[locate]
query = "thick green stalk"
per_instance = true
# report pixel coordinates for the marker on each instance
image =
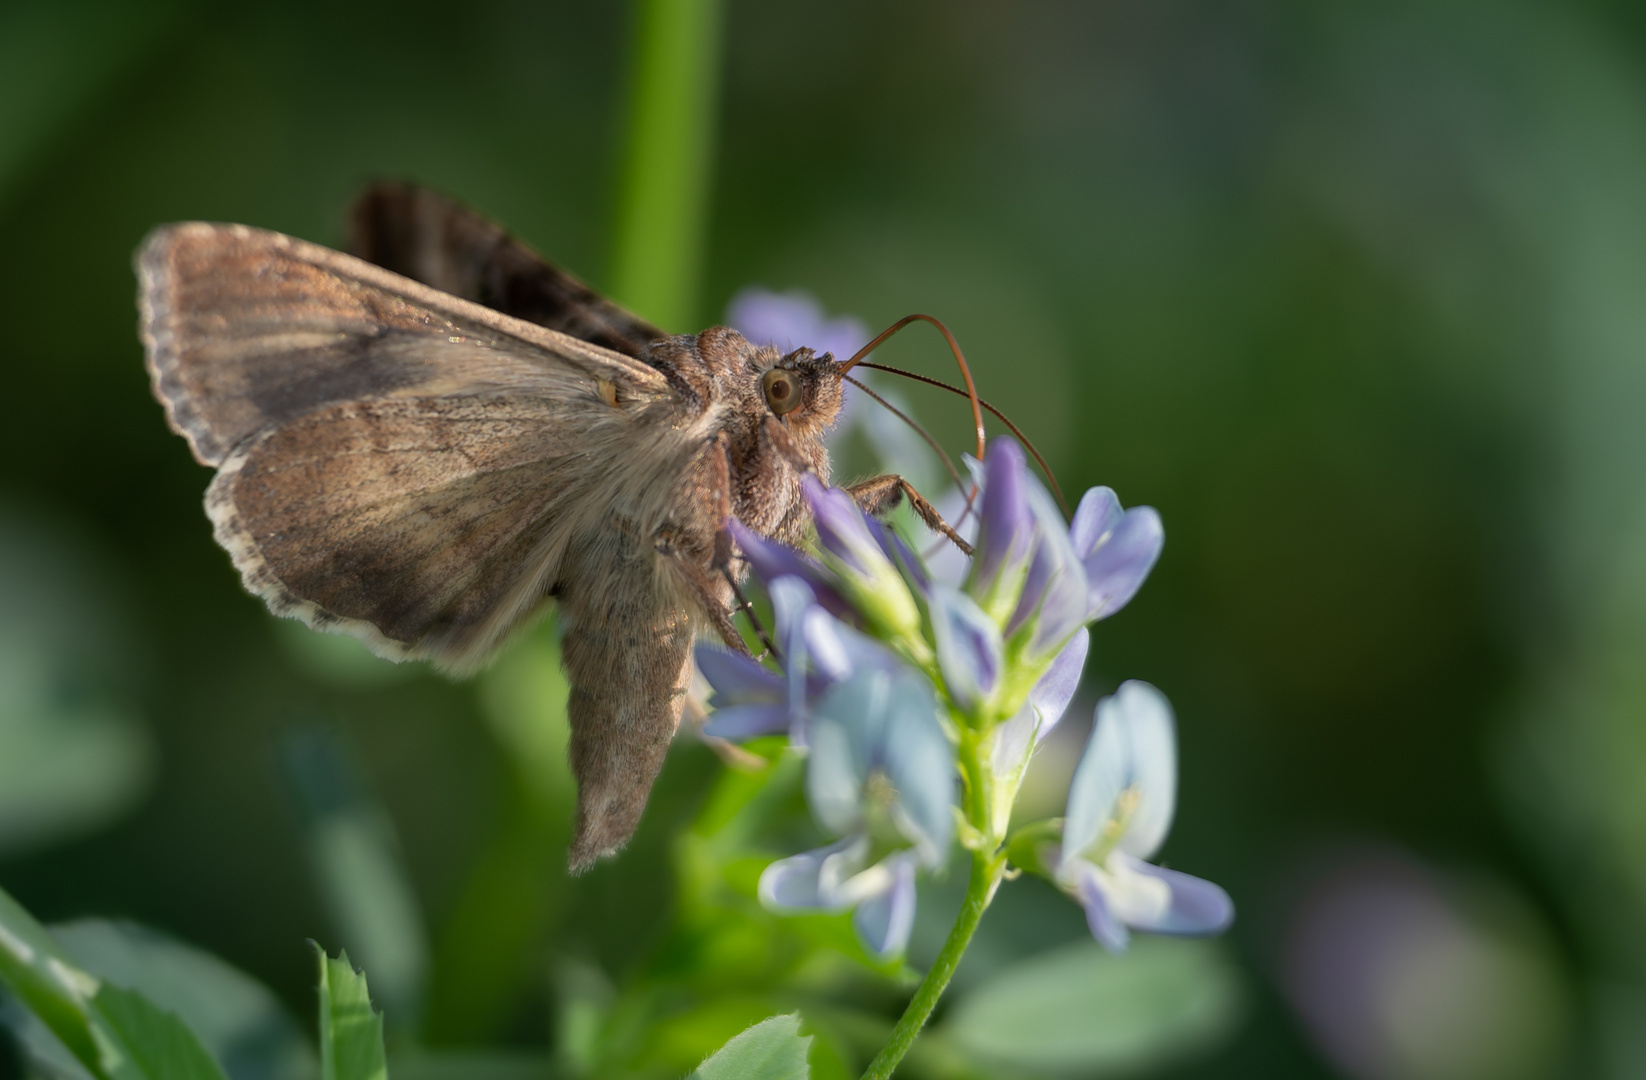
(664, 188)
(988, 865)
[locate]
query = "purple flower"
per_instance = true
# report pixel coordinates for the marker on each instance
(862, 558)
(818, 652)
(1055, 592)
(1005, 541)
(970, 653)
(748, 700)
(1117, 549)
(792, 319)
(881, 776)
(770, 560)
(1016, 738)
(1120, 808)
(838, 878)
(1055, 578)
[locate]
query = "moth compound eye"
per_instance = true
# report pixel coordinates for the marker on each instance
(782, 390)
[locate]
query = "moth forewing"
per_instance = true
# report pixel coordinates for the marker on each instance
(397, 464)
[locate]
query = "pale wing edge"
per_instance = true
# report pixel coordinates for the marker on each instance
(525, 600)
(161, 353)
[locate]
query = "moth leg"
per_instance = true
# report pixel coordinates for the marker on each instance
(714, 489)
(722, 560)
(708, 596)
(881, 494)
(724, 541)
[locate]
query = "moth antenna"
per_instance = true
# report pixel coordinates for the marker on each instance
(1022, 438)
(959, 358)
(948, 463)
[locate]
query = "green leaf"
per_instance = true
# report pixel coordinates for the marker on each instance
(35, 970)
(1081, 1009)
(117, 1034)
(773, 1049)
(238, 1020)
(351, 1032)
(148, 1043)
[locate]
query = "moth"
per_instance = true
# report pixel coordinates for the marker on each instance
(428, 442)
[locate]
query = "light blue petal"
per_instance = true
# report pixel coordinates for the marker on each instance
(1098, 778)
(883, 922)
(792, 884)
(968, 647)
(793, 601)
(866, 716)
(883, 719)
(845, 876)
(738, 680)
(1095, 517)
(820, 636)
(1100, 919)
(1045, 707)
(1056, 688)
(747, 721)
(834, 775)
(792, 597)
(1151, 736)
(838, 650)
(1198, 907)
(1132, 746)
(1115, 570)
(919, 761)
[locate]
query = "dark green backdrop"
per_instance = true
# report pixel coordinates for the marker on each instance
(1354, 294)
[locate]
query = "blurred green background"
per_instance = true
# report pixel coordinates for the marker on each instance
(1355, 294)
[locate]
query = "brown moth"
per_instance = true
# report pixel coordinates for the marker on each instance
(426, 445)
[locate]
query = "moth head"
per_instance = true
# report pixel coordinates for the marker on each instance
(800, 388)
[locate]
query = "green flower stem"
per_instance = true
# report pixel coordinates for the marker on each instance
(986, 871)
(988, 866)
(664, 187)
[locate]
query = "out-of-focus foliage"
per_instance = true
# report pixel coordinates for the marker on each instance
(235, 1018)
(1078, 1009)
(1351, 293)
(114, 1032)
(74, 755)
(771, 1049)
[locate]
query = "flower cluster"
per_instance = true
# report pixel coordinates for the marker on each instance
(921, 701)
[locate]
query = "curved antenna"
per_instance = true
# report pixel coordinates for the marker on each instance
(959, 358)
(1022, 438)
(948, 462)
